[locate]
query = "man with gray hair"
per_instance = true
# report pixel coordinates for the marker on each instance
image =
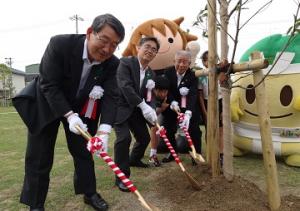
(76, 87)
(182, 97)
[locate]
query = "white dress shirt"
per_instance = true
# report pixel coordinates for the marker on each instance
(87, 66)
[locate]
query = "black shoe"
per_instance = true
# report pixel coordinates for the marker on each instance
(122, 187)
(168, 159)
(37, 209)
(138, 164)
(96, 201)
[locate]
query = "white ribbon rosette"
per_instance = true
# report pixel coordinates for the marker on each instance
(183, 92)
(90, 108)
(150, 85)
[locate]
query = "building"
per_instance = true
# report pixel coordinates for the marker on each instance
(18, 82)
(32, 71)
(20, 78)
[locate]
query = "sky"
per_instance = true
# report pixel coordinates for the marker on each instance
(27, 26)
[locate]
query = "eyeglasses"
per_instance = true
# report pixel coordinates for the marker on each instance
(150, 48)
(105, 41)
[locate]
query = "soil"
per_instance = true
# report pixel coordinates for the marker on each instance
(171, 190)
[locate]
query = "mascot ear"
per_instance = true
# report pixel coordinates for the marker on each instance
(127, 52)
(130, 50)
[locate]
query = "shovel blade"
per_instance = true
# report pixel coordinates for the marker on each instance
(192, 181)
(145, 204)
(197, 157)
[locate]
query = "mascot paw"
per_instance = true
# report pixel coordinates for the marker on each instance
(236, 112)
(238, 152)
(293, 160)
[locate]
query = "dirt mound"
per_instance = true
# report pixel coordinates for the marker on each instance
(172, 191)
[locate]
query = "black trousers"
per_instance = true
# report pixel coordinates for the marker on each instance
(136, 124)
(196, 134)
(39, 161)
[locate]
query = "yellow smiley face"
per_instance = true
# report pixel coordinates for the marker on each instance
(283, 95)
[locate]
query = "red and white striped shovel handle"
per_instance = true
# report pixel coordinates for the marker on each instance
(188, 137)
(184, 129)
(109, 161)
(162, 133)
(115, 169)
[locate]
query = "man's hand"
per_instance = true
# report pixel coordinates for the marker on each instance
(186, 119)
(174, 106)
(73, 121)
(148, 112)
(223, 67)
(103, 132)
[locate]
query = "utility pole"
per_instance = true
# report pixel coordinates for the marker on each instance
(9, 82)
(8, 61)
(76, 18)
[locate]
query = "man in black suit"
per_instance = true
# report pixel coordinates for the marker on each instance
(182, 97)
(77, 85)
(133, 112)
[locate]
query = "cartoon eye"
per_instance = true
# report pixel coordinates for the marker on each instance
(250, 94)
(286, 95)
(170, 40)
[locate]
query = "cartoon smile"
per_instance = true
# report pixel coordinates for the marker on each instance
(272, 117)
(162, 52)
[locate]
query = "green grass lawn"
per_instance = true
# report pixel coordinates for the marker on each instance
(61, 194)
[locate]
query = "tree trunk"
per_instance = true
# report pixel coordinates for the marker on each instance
(212, 108)
(226, 91)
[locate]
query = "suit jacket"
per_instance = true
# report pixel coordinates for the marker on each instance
(190, 81)
(54, 92)
(128, 79)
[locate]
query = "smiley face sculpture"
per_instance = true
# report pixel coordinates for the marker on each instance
(171, 37)
(283, 91)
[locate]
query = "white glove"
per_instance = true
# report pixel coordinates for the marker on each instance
(104, 138)
(150, 84)
(74, 120)
(148, 112)
(103, 133)
(174, 106)
(186, 119)
(184, 91)
(96, 93)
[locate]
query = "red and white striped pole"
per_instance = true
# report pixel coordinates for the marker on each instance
(188, 137)
(95, 146)
(184, 129)
(162, 133)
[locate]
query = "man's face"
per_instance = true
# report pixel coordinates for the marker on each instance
(147, 51)
(205, 62)
(182, 63)
(102, 45)
(161, 94)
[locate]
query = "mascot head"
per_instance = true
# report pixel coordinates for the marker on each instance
(282, 84)
(171, 37)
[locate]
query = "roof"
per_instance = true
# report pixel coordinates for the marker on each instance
(18, 72)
